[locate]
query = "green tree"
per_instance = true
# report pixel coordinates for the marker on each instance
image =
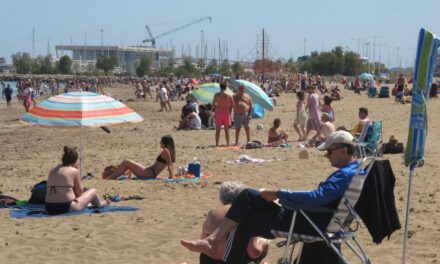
(22, 62)
(65, 65)
(225, 68)
(144, 66)
(290, 66)
(107, 63)
(46, 64)
(211, 67)
(237, 68)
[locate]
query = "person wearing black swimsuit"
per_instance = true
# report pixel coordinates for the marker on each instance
(64, 188)
(165, 160)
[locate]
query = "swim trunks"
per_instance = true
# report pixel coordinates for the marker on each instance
(222, 117)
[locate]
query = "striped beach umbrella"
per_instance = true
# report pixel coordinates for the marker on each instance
(205, 93)
(78, 110)
(425, 64)
(255, 92)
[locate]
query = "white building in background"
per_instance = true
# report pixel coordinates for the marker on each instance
(128, 57)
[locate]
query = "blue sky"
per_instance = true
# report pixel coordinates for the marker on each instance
(323, 23)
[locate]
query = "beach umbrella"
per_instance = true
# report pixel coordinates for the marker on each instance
(78, 110)
(205, 93)
(366, 76)
(425, 65)
(255, 92)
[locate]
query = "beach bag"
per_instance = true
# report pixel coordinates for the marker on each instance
(38, 193)
(253, 144)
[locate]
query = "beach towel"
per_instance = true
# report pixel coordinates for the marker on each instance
(247, 159)
(228, 147)
(37, 211)
(204, 175)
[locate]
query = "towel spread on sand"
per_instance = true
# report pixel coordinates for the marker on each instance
(37, 211)
(247, 159)
(205, 175)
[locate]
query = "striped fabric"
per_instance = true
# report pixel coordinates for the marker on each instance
(80, 109)
(426, 60)
(205, 93)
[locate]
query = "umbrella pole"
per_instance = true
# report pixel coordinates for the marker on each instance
(405, 233)
(80, 152)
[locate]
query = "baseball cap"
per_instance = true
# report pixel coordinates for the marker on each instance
(337, 137)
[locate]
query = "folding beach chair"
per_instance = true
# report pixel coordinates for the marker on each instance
(370, 139)
(339, 228)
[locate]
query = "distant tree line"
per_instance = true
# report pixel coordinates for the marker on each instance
(336, 61)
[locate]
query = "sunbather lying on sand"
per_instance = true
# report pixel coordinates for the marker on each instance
(256, 248)
(165, 160)
(64, 188)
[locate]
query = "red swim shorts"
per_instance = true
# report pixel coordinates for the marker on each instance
(222, 117)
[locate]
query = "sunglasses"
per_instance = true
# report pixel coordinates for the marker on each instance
(330, 150)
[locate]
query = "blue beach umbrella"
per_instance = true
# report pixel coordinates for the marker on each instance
(366, 76)
(425, 65)
(255, 92)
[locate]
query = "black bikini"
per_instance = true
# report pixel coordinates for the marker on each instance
(57, 208)
(160, 159)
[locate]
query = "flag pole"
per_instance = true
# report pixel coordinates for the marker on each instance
(408, 201)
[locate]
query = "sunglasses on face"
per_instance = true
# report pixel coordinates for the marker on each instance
(330, 150)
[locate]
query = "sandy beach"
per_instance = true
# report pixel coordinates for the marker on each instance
(172, 211)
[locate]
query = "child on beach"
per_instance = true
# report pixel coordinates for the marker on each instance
(327, 108)
(301, 116)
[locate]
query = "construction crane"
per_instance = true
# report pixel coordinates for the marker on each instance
(152, 39)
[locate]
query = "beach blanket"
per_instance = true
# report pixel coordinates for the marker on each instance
(229, 147)
(205, 175)
(247, 159)
(37, 211)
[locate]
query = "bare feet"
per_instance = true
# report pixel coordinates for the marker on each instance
(201, 245)
(105, 203)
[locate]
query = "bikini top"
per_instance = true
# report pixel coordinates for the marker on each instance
(160, 159)
(54, 190)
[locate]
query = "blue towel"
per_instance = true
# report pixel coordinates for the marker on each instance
(37, 211)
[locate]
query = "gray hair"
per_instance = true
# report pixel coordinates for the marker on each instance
(228, 191)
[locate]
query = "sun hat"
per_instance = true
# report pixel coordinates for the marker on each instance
(337, 137)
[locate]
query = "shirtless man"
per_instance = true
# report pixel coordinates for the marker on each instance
(222, 106)
(242, 113)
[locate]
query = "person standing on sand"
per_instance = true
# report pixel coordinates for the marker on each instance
(7, 92)
(242, 113)
(314, 122)
(222, 106)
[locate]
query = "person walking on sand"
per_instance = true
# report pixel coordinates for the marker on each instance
(242, 113)
(222, 106)
(7, 92)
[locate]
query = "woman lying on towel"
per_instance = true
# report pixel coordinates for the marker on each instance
(165, 160)
(276, 136)
(64, 188)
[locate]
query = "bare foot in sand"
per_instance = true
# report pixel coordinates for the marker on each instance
(201, 245)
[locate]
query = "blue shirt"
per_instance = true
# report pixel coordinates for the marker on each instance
(331, 189)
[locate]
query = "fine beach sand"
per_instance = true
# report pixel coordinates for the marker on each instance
(172, 211)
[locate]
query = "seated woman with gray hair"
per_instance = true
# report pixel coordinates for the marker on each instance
(257, 247)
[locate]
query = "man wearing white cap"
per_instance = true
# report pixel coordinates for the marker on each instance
(253, 213)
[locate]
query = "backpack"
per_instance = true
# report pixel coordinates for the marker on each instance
(253, 144)
(38, 193)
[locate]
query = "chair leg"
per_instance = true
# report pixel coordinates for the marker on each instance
(364, 253)
(289, 238)
(298, 259)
